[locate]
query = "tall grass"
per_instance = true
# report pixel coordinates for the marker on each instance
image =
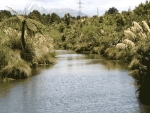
(15, 62)
(16, 69)
(3, 57)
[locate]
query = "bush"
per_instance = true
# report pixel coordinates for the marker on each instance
(112, 10)
(45, 59)
(135, 73)
(120, 55)
(110, 53)
(134, 64)
(3, 57)
(28, 54)
(96, 50)
(16, 69)
(15, 43)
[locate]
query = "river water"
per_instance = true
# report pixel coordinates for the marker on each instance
(77, 83)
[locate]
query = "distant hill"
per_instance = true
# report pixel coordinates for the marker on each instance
(61, 12)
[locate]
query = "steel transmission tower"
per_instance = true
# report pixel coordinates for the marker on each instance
(80, 7)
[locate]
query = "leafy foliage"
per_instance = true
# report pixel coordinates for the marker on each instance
(16, 62)
(55, 18)
(142, 9)
(4, 14)
(112, 10)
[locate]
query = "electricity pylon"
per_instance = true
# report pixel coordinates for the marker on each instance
(80, 7)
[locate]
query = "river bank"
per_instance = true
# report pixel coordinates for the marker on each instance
(17, 63)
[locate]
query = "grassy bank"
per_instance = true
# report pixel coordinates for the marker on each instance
(17, 63)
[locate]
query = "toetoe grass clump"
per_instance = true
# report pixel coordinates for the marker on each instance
(16, 69)
(45, 59)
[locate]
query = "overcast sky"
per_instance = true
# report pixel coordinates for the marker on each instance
(89, 6)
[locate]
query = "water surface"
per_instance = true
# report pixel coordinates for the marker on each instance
(77, 83)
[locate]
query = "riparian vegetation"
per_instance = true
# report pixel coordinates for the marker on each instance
(27, 40)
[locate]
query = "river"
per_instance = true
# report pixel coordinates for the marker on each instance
(77, 83)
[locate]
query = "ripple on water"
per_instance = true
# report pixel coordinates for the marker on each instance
(76, 84)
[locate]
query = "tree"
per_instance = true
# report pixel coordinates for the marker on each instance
(143, 10)
(112, 10)
(48, 19)
(55, 18)
(43, 19)
(120, 20)
(36, 15)
(78, 17)
(28, 24)
(67, 18)
(4, 14)
(101, 19)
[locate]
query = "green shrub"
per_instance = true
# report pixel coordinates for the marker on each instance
(110, 53)
(134, 64)
(61, 28)
(3, 57)
(45, 59)
(134, 73)
(16, 69)
(28, 54)
(96, 50)
(120, 55)
(102, 49)
(15, 43)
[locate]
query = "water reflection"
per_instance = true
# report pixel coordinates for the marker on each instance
(75, 84)
(144, 92)
(109, 64)
(81, 60)
(4, 89)
(147, 108)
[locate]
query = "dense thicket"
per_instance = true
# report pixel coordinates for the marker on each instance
(24, 43)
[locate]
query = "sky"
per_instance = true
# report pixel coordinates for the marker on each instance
(90, 7)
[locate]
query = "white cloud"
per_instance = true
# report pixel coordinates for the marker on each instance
(90, 7)
(15, 4)
(124, 4)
